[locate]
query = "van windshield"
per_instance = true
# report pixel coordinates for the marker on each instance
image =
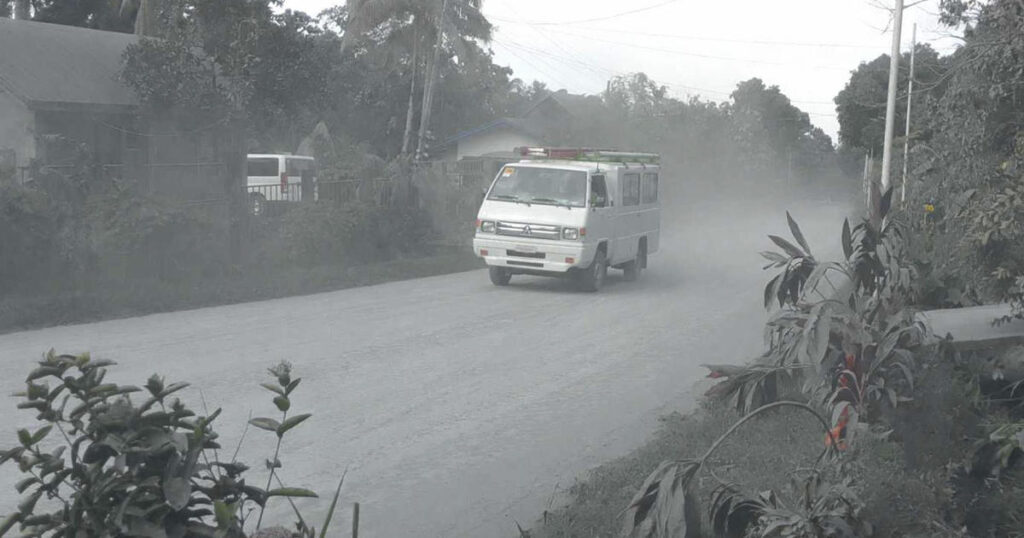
(549, 186)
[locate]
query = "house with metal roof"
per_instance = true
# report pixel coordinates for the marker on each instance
(59, 86)
(547, 120)
(61, 93)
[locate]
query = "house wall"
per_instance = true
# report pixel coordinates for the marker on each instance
(504, 140)
(17, 129)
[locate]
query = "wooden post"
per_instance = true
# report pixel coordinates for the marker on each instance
(307, 186)
(355, 520)
(132, 171)
(234, 182)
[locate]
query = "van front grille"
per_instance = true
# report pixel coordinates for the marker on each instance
(517, 254)
(520, 229)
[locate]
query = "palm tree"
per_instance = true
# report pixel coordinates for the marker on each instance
(147, 15)
(457, 22)
(414, 26)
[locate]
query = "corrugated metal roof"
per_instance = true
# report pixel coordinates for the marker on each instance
(517, 124)
(50, 64)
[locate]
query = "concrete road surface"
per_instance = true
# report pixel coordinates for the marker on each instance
(457, 407)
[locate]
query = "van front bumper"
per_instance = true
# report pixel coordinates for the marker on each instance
(532, 256)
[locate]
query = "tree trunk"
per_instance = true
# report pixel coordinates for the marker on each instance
(428, 90)
(407, 136)
(22, 9)
(147, 19)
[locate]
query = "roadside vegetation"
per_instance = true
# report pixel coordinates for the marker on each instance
(123, 460)
(855, 422)
(852, 423)
(355, 87)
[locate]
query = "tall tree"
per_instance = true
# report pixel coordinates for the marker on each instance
(861, 103)
(410, 112)
(98, 14)
(457, 24)
(431, 80)
(22, 9)
(636, 95)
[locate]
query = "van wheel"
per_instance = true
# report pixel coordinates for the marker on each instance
(257, 204)
(631, 271)
(592, 278)
(499, 276)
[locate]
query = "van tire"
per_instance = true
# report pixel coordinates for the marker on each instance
(499, 276)
(592, 278)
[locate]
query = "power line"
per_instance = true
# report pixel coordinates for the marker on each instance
(528, 62)
(584, 21)
(574, 57)
(611, 72)
(713, 39)
(830, 103)
(704, 56)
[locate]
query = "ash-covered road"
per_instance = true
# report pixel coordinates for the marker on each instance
(458, 408)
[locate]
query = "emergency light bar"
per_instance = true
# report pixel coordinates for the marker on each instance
(592, 155)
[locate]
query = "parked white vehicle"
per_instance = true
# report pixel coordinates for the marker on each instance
(277, 178)
(568, 212)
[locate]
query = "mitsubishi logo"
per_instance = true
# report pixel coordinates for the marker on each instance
(527, 230)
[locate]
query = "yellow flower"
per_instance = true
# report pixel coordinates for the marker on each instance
(929, 208)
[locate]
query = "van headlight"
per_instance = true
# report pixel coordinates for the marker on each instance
(570, 233)
(487, 226)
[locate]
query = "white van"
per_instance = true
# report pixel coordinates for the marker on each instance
(277, 178)
(568, 212)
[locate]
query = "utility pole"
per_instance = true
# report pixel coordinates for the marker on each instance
(890, 107)
(431, 83)
(910, 98)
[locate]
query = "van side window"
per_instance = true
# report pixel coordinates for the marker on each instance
(262, 167)
(650, 188)
(630, 189)
(598, 191)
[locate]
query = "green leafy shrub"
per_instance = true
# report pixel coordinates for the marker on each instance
(840, 331)
(821, 509)
(132, 236)
(969, 158)
(321, 234)
(79, 229)
(30, 225)
(124, 466)
(666, 505)
(318, 234)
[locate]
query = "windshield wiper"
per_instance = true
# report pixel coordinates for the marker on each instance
(551, 201)
(510, 198)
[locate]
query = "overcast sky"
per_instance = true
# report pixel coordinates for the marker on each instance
(806, 47)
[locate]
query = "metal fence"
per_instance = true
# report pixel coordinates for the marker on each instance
(273, 199)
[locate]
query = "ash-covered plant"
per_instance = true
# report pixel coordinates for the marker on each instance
(282, 388)
(666, 506)
(840, 331)
(118, 460)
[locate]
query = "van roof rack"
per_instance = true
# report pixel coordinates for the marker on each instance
(588, 154)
